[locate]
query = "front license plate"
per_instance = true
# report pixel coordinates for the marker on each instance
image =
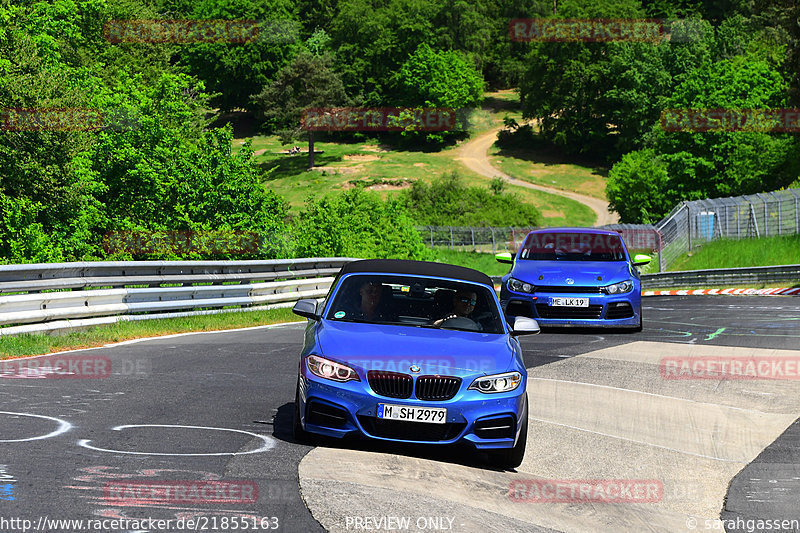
(431, 415)
(569, 302)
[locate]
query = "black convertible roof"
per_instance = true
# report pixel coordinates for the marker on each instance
(418, 268)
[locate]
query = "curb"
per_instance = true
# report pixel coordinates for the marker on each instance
(729, 292)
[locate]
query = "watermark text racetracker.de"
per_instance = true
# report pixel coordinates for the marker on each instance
(589, 30)
(384, 119)
(200, 31)
(182, 242)
(730, 368)
(586, 491)
(112, 525)
(72, 367)
(783, 120)
(64, 119)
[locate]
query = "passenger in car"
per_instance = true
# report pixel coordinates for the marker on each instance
(463, 305)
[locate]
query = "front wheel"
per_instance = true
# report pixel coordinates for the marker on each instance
(638, 328)
(511, 458)
(300, 435)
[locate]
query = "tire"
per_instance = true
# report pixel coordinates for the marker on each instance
(511, 458)
(300, 435)
(638, 328)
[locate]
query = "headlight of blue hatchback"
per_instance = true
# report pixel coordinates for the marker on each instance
(619, 288)
(327, 369)
(520, 286)
(497, 383)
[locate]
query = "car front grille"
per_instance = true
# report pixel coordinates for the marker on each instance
(411, 431)
(437, 388)
(569, 288)
(577, 313)
(390, 384)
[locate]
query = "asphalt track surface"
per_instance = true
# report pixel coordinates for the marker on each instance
(201, 407)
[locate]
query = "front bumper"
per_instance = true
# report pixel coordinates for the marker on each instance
(343, 409)
(604, 311)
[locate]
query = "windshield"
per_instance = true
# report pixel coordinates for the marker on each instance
(572, 246)
(416, 301)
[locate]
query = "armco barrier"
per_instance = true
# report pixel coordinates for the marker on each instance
(87, 294)
(90, 293)
(723, 277)
(727, 277)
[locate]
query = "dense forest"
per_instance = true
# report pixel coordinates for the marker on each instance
(168, 165)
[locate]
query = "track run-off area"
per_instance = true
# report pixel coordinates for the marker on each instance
(615, 443)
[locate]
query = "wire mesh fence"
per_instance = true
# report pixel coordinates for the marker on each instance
(479, 239)
(689, 225)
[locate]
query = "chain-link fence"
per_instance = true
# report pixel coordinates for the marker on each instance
(693, 223)
(687, 226)
(478, 239)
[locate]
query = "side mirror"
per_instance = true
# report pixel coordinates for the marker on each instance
(641, 260)
(505, 257)
(306, 308)
(525, 326)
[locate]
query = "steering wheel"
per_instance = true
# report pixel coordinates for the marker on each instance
(460, 322)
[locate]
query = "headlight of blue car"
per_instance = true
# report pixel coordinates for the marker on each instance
(619, 288)
(520, 286)
(497, 383)
(327, 369)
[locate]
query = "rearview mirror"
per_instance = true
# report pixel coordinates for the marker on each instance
(525, 326)
(306, 308)
(505, 257)
(641, 259)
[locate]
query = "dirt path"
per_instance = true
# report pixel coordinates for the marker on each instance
(473, 155)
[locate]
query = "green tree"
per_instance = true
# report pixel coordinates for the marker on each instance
(638, 188)
(357, 223)
(309, 81)
(235, 71)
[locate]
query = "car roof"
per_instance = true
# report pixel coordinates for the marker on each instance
(417, 268)
(576, 230)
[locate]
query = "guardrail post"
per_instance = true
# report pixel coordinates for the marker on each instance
(451, 237)
(796, 212)
(494, 245)
(689, 225)
(779, 211)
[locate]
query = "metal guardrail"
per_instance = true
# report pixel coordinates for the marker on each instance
(728, 277)
(66, 296)
(722, 277)
(62, 296)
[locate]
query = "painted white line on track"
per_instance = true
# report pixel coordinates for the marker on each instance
(63, 427)
(267, 442)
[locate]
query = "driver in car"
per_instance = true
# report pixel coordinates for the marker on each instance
(463, 306)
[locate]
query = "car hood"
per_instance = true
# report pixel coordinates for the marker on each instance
(397, 348)
(584, 273)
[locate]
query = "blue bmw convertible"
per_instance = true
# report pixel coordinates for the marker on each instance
(414, 352)
(574, 277)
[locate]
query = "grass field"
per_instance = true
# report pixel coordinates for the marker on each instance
(484, 262)
(544, 167)
(386, 170)
(742, 253)
(40, 343)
